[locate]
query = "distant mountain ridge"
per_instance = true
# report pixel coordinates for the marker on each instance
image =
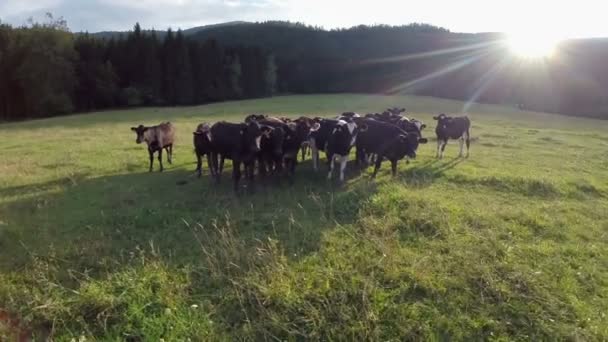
(161, 33)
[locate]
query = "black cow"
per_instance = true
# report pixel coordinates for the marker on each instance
(452, 128)
(386, 141)
(339, 143)
(240, 143)
(270, 157)
(298, 132)
(203, 147)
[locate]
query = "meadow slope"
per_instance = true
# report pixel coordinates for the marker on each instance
(509, 244)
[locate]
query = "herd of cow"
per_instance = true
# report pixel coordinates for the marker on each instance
(275, 142)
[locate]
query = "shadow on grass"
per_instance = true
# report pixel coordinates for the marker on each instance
(427, 173)
(95, 222)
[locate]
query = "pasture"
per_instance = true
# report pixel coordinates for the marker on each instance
(509, 244)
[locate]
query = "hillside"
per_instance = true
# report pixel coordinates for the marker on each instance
(508, 244)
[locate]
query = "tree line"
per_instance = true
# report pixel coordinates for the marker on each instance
(45, 70)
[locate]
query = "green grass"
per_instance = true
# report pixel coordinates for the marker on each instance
(510, 244)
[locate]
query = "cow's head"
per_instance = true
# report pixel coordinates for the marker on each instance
(441, 117)
(251, 135)
(139, 130)
(203, 129)
(410, 142)
(255, 117)
(303, 126)
(395, 110)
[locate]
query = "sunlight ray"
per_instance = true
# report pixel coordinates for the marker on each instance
(464, 61)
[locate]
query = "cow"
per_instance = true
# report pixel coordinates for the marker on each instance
(318, 137)
(452, 128)
(239, 142)
(157, 138)
(270, 157)
(203, 147)
(298, 133)
(386, 141)
(339, 143)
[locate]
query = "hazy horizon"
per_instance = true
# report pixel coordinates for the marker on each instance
(558, 21)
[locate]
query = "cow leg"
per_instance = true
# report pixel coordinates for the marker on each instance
(262, 167)
(210, 165)
(443, 145)
(222, 159)
(236, 174)
(461, 147)
(468, 142)
(331, 166)
(151, 153)
(250, 168)
(378, 164)
(160, 159)
(170, 154)
(199, 165)
(292, 169)
(394, 167)
(315, 154)
(343, 162)
(439, 141)
(215, 173)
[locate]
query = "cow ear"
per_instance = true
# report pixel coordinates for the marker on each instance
(423, 126)
(423, 140)
(435, 118)
(315, 127)
(402, 110)
(134, 129)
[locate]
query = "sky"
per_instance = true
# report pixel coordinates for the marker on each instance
(559, 19)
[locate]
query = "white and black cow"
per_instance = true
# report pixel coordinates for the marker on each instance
(452, 128)
(386, 141)
(318, 137)
(339, 143)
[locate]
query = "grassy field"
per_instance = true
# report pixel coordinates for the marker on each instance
(510, 244)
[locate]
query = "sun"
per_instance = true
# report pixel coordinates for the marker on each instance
(531, 46)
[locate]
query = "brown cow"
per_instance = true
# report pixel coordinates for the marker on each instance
(157, 138)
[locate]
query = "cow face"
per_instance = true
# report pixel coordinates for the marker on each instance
(252, 135)
(396, 111)
(203, 130)
(441, 117)
(302, 128)
(139, 130)
(410, 143)
(255, 117)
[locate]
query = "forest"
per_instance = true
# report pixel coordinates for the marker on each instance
(47, 70)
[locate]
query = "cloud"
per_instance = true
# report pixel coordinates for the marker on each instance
(566, 18)
(102, 15)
